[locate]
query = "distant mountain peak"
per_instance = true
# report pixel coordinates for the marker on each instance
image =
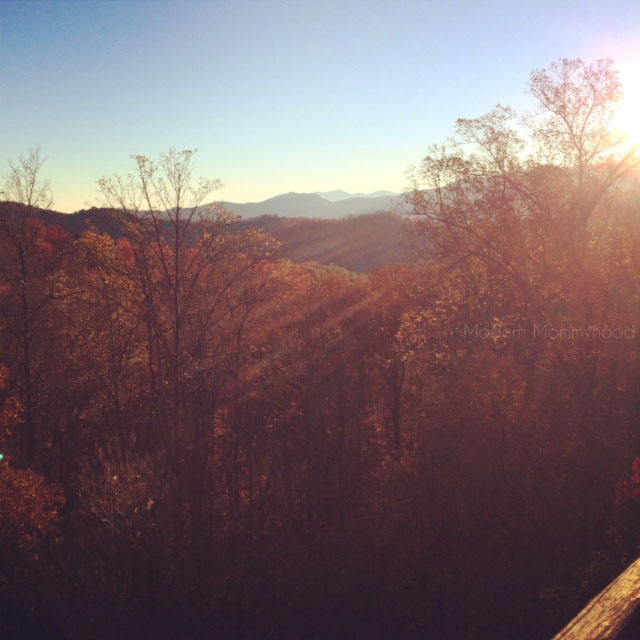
(339, 194)
(293, 195)
(317, 205)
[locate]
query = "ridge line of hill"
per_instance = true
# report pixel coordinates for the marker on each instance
(357, 243)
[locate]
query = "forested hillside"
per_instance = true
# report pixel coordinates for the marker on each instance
(202, 439)
(357, 243)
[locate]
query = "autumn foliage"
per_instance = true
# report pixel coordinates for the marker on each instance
(202, 439)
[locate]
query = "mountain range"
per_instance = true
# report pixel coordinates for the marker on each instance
(339, 194)
(326, 205)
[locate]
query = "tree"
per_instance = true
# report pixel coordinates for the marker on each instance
(24, 183)
(190, 279)
(29, 272)
(494, 204)
(523, 225)
(160, 204)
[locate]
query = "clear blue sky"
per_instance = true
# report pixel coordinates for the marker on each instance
(277, 96)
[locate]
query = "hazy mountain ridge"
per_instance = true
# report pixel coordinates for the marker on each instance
(339, 194)
(315, 205)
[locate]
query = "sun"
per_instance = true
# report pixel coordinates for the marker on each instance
(627, 119)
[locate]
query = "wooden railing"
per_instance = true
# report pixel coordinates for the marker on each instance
(614, 614)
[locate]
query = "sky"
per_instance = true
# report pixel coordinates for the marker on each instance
(277, 96)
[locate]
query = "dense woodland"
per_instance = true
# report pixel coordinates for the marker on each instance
(203, 439)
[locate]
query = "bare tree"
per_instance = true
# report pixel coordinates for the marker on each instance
(178, 241)
(27, 272)
(24, 183)
(496, 194)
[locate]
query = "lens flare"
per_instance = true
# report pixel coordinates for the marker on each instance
(627, 119)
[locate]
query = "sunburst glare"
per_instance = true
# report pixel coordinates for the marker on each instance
(626, 122)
